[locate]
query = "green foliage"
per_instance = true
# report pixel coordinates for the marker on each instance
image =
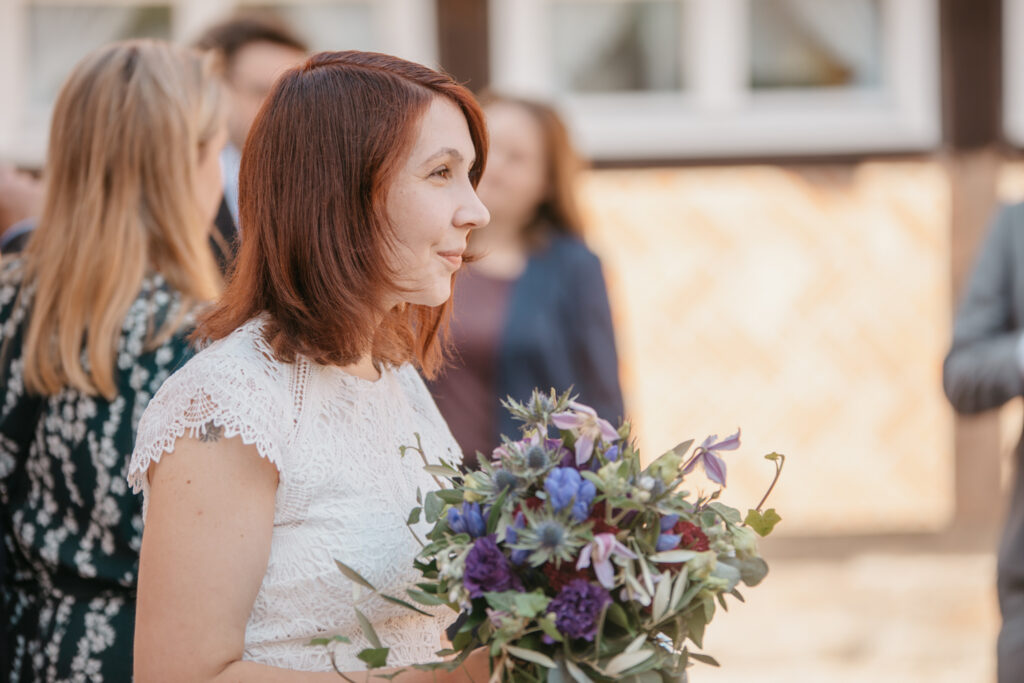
(762, 522)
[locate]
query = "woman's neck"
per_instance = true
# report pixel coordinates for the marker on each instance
(364, 368)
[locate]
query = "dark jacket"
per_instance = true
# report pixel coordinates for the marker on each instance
(983, 371)
(558, 332)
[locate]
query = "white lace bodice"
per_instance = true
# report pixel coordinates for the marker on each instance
(344, 491)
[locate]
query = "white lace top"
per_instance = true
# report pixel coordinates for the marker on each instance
(344, 491)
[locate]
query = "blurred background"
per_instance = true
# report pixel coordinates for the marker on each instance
(787, 196)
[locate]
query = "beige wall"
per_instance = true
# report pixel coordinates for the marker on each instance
(811, 307)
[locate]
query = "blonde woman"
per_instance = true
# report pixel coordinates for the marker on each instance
(92, 320)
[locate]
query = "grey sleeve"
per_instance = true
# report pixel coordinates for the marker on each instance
(981, 370)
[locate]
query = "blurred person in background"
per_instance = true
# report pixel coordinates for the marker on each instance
(533, 310)
(21, 195)
(252, 49)
(93, 318)
(983, 370)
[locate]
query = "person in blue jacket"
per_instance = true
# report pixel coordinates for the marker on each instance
(532, 309)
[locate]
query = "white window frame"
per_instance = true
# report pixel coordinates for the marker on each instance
(1013, 71)
(405, 27)
(719, 115)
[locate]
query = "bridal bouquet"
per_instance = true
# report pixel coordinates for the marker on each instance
(569, 559)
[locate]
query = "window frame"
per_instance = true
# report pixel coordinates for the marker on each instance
(721, 115)
(405, 27)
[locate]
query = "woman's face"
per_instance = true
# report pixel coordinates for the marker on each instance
(516, 180)
(432, 206)
(209, 181)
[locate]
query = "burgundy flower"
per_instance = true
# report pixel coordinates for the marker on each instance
(692, 537)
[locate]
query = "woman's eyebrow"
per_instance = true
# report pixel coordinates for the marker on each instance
(443, 152)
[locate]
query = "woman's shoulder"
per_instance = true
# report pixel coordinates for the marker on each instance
(11, 273)
(234, 385)
(569, 249)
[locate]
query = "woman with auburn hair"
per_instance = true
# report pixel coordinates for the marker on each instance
(532, 311)
(93, 318)
(276, 451)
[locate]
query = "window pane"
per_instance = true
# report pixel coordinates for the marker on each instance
(616, 46)
(814, 44)
(331, 26)
(60, 35)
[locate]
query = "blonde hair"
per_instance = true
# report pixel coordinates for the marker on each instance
(129, 128)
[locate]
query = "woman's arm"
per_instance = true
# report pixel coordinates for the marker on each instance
(204, 555)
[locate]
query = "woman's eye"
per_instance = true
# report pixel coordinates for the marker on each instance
(444, 173)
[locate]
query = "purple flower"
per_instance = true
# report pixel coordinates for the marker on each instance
(565, 488)
(488, 570)
(467, 521)
(588, 428)
(707, 455)
(578, 607)
(512, 537)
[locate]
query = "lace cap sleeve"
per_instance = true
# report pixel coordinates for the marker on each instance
(236, 390)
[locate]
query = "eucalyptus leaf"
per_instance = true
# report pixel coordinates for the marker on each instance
(425, 598)
(450, 496)
(637, 643)
(673, 556)
(729, 514)
(662, 598)
(678, 587)
(405, 604)
(495, 516)
(707, 659)
(531, 604)
(375, 657)
(695, 623)
(548, 626)
(576, 672)
(368, 632)
(432, 507)
(531, 656)
(414, 516)
(626, 661)
(617, 615)
(353, 575)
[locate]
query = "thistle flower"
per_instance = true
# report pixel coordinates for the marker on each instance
(547, 538)
(584, 422)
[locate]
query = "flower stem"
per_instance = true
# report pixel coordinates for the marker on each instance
(778, 472)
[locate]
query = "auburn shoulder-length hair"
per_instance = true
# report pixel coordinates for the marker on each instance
(559, 210)
(129, 128)
(316, 242)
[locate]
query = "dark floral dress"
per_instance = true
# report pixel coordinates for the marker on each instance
(72, 527)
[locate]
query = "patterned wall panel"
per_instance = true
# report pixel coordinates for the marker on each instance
(809, 306)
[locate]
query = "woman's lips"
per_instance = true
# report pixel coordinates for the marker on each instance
(452, 257)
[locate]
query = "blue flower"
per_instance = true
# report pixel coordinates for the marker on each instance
(469, 521)
(667, 541)
(578, 608)
(566, 488)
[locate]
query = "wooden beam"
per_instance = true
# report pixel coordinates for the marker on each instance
(971, 72)
(462, 27)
